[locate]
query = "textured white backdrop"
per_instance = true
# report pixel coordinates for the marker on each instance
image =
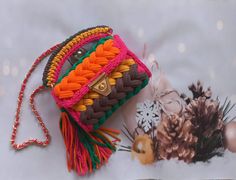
(191, 40)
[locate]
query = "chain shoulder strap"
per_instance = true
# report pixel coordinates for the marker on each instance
(19, 106)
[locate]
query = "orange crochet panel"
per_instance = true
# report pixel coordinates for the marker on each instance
(86, 70)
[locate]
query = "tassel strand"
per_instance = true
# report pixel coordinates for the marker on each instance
(86, 151)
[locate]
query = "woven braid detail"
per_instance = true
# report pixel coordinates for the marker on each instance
(80, 60)
(88, 99)
(57, 55)
(86, 70)
(124, 86)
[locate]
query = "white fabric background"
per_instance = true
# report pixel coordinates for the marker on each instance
(191, 40)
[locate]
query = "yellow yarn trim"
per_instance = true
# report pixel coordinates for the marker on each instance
(51, 74)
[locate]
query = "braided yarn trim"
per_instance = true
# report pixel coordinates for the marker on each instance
(107, 69)
(58, 57)
(86, 70)
(80, 60)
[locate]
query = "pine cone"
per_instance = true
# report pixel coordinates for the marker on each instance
(197, 91)
(175, 138)
(207, 118)
(205, 115)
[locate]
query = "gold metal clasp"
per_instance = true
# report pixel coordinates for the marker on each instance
(101, 85)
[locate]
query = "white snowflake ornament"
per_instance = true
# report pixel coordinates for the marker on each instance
(148, 114)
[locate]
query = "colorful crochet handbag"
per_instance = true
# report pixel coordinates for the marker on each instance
(103, 76)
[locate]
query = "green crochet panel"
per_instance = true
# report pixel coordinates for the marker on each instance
(101, 41)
